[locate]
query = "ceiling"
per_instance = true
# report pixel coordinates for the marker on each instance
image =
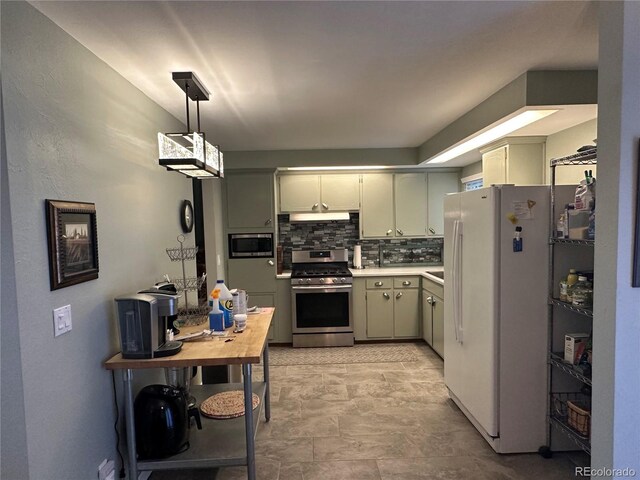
(314, 75)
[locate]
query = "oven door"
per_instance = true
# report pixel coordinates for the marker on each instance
(322, 309)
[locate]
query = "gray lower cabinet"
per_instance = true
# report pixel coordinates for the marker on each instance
(392, 307)
(433, 315)
(252, 274)
(282, 317)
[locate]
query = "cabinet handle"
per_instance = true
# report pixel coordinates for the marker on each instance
(406, 283)
(270, 262)
(432, 231)
(385, 295)
(315, 205)
(378, 284)
(399, 295)
(268, 222)
(389, 232)
(325, 206)
(430, 300)
(400, 232)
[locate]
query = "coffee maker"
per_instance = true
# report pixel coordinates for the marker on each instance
(142, 318)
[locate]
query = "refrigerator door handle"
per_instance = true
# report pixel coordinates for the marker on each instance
(457, 280)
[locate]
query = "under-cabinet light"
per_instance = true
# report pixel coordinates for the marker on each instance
(359, 167)
(496, 132)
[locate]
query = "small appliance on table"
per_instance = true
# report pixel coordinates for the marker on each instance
(322, 305)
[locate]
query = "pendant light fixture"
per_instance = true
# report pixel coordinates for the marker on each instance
(188, 152)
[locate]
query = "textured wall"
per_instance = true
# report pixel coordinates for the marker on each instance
(76, 130)
(344, 234)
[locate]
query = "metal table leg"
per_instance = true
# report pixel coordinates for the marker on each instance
(131, 428)
(248, 421)
(267, 391)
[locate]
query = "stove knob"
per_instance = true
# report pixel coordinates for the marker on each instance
(300, 281)
(343, 280)
(335, 280)
(322, 280)
(308, 281)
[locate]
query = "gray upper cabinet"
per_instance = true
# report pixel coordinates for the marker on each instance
(319, 193)
(517, 160)
(438, 185)
(249, 201)
(340, 192)
(410, 204)
(376, 213)
(299, 193)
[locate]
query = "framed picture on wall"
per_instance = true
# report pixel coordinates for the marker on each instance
(73, 242)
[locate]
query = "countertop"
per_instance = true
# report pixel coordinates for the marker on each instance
(246, 347)
(421, 270)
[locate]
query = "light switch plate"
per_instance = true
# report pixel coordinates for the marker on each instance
(61, 320)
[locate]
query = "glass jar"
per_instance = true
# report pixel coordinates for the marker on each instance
(582, 293)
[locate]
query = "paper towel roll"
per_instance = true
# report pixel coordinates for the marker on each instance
(357, 256)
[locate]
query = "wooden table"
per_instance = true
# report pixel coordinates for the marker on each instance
(220, 442)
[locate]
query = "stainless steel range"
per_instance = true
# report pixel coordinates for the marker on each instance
(322, 306)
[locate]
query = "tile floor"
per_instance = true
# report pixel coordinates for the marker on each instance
(377, 421)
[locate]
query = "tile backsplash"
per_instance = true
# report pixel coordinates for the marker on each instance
(344, 234)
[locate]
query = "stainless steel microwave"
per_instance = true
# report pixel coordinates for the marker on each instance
(250, 245)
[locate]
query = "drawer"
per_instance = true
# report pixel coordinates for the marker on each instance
(379, 283)
(433, 287)
(406, 282)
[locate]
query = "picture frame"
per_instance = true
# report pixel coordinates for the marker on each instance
(72, 238)
(635, 281)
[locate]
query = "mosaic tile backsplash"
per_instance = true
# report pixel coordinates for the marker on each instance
(344, 234)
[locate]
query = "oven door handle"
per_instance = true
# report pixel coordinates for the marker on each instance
(322, 287)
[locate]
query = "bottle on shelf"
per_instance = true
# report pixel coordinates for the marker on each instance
(226, 302)
(563, 290)
(572, 279)
(582, 293)
(216, 317)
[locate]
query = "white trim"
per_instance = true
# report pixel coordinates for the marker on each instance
(471, 178)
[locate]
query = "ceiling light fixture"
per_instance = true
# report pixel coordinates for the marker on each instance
(500, 129)
(188, 152)
(338, 167)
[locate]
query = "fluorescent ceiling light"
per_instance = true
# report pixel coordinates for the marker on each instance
(493, 133)
(359, 167)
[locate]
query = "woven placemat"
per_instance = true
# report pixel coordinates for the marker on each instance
(225, 405)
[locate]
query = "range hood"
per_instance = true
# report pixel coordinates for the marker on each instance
(318, 217)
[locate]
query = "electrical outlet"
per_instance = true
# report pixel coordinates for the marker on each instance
(61, 320)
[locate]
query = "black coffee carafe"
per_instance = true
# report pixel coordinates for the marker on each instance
(162, 421)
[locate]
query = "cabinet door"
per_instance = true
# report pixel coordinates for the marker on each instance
(299, 193)
(438, 185)
(406, 313)
(282, 315)
(264, 300)
(249, 200)
(438, 325)
(427, 317)
(340, 192)
(411, 204)
(380, 314)
(494, 166)
(252, 274)
(376, 213)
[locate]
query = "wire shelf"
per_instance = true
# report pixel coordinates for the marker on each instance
(576, 371)
(190, 283)
(561, 414)
(588, 157)
(192, 316)
(182, 253)
(572, 241)
(587, 312)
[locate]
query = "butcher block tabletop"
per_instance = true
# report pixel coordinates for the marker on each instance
(245, 347)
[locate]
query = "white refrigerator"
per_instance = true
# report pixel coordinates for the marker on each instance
(495, 349)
